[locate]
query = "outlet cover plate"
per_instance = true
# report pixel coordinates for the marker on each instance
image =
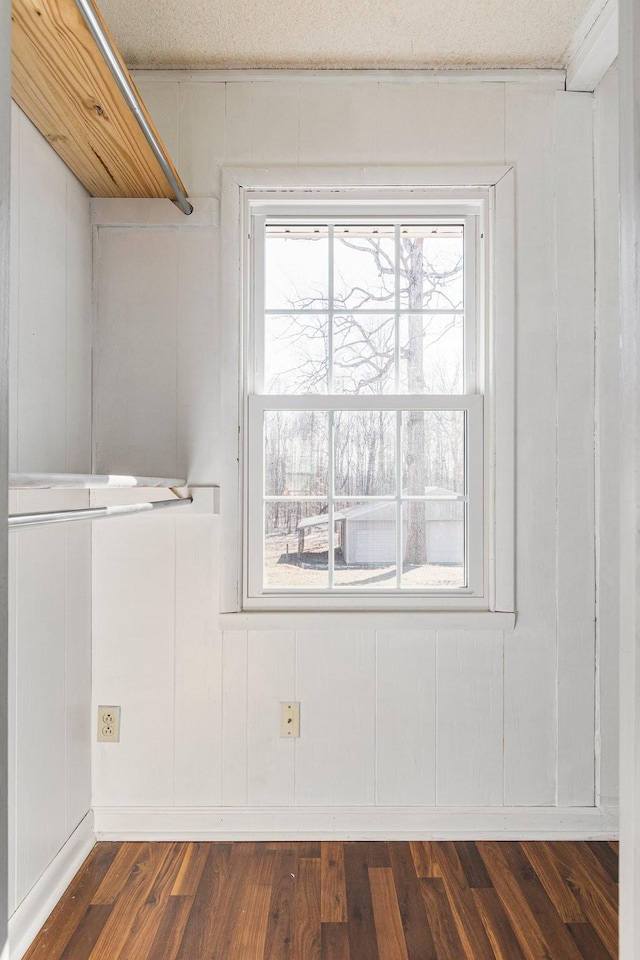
(108, 724)
(289, 719)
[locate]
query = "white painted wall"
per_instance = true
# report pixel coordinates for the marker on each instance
(50, 568)
(391, 720)
(5, 171)
(608, 406)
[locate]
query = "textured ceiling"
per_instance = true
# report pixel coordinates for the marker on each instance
(347, 34)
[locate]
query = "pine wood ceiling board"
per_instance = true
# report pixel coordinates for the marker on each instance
(63, 84)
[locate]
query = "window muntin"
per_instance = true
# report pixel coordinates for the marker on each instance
(365, 440)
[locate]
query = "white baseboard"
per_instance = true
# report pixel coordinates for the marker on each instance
(42, 898)
(354, 823)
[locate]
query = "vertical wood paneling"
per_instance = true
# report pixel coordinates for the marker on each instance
(198, 666)
(42, 279)
(530, 723)
(40, 714)
(161, 100)
(576, 427)
(470, 730)
(471, 122)
(12, 719)
(339, 123)
(79, 330)
(408, 122)
(201, 121)
(405, 717)
(78, 726)
(367, 735)
(237, 128)
(197, 379)
(234, 718)
(50, 428)
(270, 679)
(135, 399)
(607, 191)
(134, 631)
(335, 684)
(275, 122)
(14, 282)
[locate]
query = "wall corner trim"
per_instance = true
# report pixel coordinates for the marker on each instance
(42, 898)
(593, 49)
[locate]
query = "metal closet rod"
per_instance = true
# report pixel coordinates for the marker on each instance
(92, 21)
(91, 513)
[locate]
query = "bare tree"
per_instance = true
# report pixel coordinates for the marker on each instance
(364, 358)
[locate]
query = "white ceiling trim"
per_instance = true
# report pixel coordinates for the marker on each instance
(555, 78)
(590, 58)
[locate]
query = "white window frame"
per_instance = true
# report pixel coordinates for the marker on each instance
(250, 190)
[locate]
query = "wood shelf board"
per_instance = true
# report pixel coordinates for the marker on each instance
(63, 84)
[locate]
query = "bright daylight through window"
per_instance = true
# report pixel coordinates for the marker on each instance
(365, 454)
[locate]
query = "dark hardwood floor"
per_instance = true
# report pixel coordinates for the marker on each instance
(338, 901)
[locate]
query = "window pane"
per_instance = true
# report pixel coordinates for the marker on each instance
(363, 354)
(295, 544)
(366, 544)
(433, 459)
(432, 353)
(433, 543)
(364, 453)
(296, 453)
(296, 353)
(296, 267)
(431, 267)
(364, 268)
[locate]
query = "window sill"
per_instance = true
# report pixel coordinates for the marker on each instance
(367, 620)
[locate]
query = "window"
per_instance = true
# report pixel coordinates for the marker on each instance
(367, 481)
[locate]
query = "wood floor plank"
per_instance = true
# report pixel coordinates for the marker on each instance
(362, 930)
(193, 861)
(69, 912)
(335, 941)
(386, 914)
(554, 932)
(472, 864)
(206, 921)
(608, 859)
(306, 935)
(148, 863)
(252, 917)
(443, 926)
(593, 888)
(589, 943)
(424, 859)
(417, 934)
(147, 919)
(514, 902)
(496, 924)
(118, 874)
(169, 934)
(470, 927)
(279, 940)
(333, 900)
(423, 900)
(543, 863)
(86, 934)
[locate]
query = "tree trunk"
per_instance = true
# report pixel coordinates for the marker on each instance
(416, 543)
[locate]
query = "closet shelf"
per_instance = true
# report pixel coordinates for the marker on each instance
(72, 83)
(87, 481)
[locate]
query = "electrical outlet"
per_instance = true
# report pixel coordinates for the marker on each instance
(108, 724)
(289, 719)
